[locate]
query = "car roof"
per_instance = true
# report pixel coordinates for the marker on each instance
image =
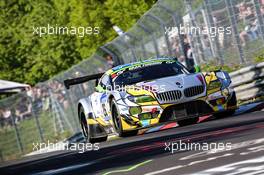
(135, 65)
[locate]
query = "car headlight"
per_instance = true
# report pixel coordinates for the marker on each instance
(135, 110)
(140, 99)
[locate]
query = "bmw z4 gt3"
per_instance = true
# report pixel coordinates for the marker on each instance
(145, 94)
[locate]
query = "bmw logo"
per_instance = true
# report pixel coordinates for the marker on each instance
(179, 85)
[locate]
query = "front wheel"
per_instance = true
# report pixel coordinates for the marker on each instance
(83, 122)
(86, 130)
(118, 123)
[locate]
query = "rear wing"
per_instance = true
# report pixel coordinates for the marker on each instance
(79, 80)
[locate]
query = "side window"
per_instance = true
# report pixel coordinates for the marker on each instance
(105, 81)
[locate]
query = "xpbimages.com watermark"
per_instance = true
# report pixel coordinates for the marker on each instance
(65, 30)
(50, 146)
(124, 88)
(212, 31)
(196, 146)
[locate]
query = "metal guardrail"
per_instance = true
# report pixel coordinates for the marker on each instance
(248, 82)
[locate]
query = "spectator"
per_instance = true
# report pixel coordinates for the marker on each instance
(188, 53)
(245, 12)
(46, 100)
(250, 22)
(29, 91)
(207, 46)
(250, 32)
(37, 100)
(181, 59)
(7, 117)
(110, 61)
(175, 47)
(23, 110)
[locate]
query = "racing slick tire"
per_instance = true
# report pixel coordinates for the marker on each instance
(116, 117)
(232, 102)
(86, 129)
(189, 121)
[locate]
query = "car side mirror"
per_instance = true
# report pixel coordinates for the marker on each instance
(99, 89)
(96, 89)
(197, 68)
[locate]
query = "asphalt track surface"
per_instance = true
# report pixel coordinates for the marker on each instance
(165, 152)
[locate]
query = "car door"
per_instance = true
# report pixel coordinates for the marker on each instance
(100, 99)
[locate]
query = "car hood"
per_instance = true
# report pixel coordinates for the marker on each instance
(171, 83)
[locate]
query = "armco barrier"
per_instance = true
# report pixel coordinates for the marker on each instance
(248, 82)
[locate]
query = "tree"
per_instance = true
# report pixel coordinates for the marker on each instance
(28, 58)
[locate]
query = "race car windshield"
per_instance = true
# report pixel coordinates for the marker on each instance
(149, 73)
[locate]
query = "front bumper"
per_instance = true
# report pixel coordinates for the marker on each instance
(176, 112)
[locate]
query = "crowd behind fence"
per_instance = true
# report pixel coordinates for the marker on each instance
(48, 111)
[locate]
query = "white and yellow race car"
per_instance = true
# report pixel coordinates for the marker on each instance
(148, 93)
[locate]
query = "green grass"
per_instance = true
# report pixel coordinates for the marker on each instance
(29, 134)
(211, 66)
